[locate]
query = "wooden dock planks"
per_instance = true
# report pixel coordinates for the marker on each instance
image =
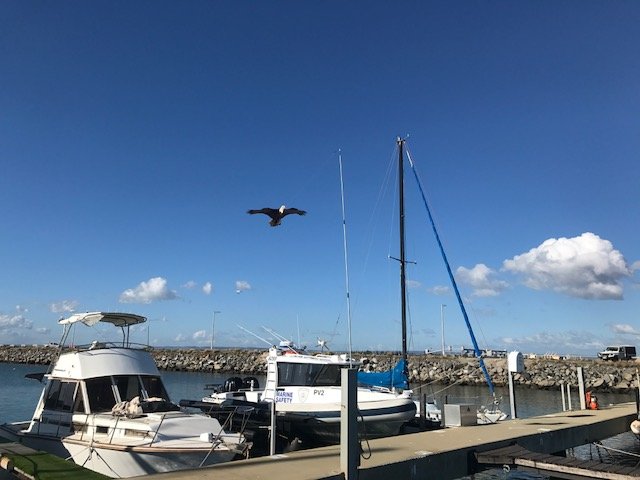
(559, 467)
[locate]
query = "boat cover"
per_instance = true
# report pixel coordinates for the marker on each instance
(394, 378)
(91, 318)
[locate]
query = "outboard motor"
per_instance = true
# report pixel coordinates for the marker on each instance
(232, 384)
(250, 383)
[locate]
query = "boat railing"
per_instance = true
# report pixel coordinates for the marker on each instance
(157, 430)
(86, 427)
(97, 345)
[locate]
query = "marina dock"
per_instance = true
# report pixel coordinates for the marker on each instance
(443, 454)
(19, 461)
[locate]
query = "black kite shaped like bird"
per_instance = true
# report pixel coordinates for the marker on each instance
(277, 214)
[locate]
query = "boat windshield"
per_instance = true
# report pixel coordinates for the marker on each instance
(308, 375)
(102, 394)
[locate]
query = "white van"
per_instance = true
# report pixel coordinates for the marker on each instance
(621, 352)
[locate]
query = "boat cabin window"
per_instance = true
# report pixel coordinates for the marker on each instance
(100, 394)
(308, 374)
(60, 396)
(129, 386)
(154, 387)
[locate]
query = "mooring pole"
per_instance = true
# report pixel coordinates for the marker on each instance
(349, 448)
(272, 429)
(515, 364)
(583, 400)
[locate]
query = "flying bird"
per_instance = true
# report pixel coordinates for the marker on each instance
(277, 214)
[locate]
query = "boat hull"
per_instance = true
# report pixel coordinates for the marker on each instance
(118, 461)
(319, 424)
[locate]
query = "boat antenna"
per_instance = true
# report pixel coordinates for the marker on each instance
(346, 261)
(275, 334)
(453, 280)
(257, 336)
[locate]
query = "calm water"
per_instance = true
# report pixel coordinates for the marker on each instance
(19, 395)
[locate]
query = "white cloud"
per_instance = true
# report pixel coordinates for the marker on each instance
(180, 338)
(624, 329)
(43, 330)
(584, 267)
(440, 290)
(558, 342)
(413, 284)
(146, 292)
(207, 288)
(200, 335)
(480, 278)
(242, 286)
(11, 322)
(65, 306)
(635, 266)
(190, 284)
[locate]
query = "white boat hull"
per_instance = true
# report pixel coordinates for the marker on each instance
(118, 461)
(133, 462)
(318, 424)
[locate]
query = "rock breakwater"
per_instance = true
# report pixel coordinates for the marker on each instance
(599, 376)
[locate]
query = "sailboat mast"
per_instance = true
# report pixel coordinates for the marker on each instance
(403, 293)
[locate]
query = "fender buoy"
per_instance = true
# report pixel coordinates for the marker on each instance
(635, 427)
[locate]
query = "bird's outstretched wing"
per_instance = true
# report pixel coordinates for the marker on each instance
(289, 211)
(266, 211)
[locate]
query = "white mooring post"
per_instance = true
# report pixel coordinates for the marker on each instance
(564, 400)
(515, 362)
(272, 428)
(581, 392)
(349, 449)
(569, 397)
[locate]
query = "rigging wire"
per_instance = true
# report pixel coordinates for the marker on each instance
(374, 216)
(453, 281)
(382, 193)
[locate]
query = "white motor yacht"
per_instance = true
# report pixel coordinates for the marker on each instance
(104, 406)
(306, 391)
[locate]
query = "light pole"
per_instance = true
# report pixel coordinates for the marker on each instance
(442, 305)
(213, 326)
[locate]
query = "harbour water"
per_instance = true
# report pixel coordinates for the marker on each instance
(19, 395)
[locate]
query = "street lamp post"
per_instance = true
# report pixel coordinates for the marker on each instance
(442, 305)
(213, 326)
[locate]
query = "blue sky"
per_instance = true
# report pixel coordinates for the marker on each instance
(135, 135)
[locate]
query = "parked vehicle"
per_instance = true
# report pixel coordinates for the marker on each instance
(618, 352)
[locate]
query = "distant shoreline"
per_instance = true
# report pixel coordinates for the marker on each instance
(540, 373)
